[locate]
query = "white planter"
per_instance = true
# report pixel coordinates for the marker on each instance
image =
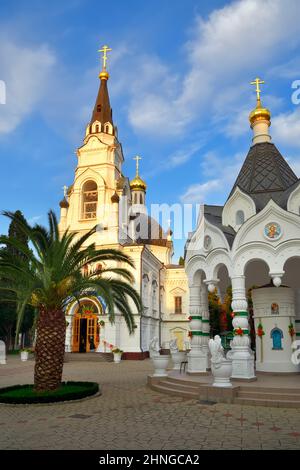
(222, 373)
(117, 357)
(24, 356)
(160, 365)
(177, 358)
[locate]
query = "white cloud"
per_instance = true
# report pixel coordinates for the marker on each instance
(25, 71)
(286, 128)
(225, 50)
(197, 193)
(214, 190)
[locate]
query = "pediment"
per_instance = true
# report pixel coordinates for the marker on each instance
(273, 225)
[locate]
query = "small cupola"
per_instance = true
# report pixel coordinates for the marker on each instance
(260, 117)
(138, 186)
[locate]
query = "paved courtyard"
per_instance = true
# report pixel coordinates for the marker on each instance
(130, 416)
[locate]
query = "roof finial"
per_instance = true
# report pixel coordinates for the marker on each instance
(104, 74)
(258, 82)
(137, 184)
(137, 159)
(260, 117)
(65, 188)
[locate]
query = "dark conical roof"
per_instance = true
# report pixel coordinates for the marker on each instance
(265, 175)
(102, 111)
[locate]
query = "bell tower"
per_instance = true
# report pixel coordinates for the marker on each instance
(93, 198)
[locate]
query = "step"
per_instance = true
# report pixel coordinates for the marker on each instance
(258, 389)
(88, 357)
(265, 402)
(182, 383)
(175, 386)
(269, 395)
(174, 392)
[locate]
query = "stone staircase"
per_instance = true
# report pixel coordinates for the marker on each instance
(174, 387)
(88, 357)
(239, 394)
(267, 396)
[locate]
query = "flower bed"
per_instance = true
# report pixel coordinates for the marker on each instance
(25, 394)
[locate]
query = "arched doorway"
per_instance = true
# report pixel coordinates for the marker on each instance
(86, 327)
(256, 275)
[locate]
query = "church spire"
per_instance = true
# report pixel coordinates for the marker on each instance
(102, 111)
(260, 117)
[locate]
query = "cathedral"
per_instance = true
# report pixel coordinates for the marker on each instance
(251, 243)
(102, 195)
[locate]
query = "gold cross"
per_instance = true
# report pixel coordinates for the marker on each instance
(65, 188)
(105, 50)
(258, 82)
(137, 158)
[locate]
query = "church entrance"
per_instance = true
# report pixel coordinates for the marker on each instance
(86, 329)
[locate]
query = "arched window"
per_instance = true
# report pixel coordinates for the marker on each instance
(97, 128)
(277, 335)
(239, 217)
(135, 198)
(107, 129)
(178, 304)
(90, 199)
(141, 199)
(154, 294)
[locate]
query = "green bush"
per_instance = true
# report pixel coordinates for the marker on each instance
(25, 394)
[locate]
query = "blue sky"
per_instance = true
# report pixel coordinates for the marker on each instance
(179, 89)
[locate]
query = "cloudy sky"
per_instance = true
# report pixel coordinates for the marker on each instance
(179, 88)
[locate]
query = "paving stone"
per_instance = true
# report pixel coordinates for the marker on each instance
(128, 416)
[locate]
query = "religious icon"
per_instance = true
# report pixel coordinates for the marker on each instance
(207, 242)
(272, 230)
(275, 309)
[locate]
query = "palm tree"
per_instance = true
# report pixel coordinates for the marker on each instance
(50, 274)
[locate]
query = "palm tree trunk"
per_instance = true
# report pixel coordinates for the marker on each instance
(49, 349)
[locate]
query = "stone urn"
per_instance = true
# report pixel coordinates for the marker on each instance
(177, 358)
(117, 355)
(160, 365)
(24, 356)
(221, 372)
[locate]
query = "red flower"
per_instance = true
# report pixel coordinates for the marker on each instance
(291, 330)
(190, 334)
(239, 332)
(190, 318)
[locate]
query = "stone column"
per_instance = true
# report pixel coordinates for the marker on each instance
(204, 312)
(241, 354)
(196, 357)
(68, 343)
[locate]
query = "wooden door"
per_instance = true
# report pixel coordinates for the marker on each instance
(92, 334)
(76, 333)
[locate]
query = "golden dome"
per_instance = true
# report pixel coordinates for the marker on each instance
(137, 184)
(259, 114)
(104, 75)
